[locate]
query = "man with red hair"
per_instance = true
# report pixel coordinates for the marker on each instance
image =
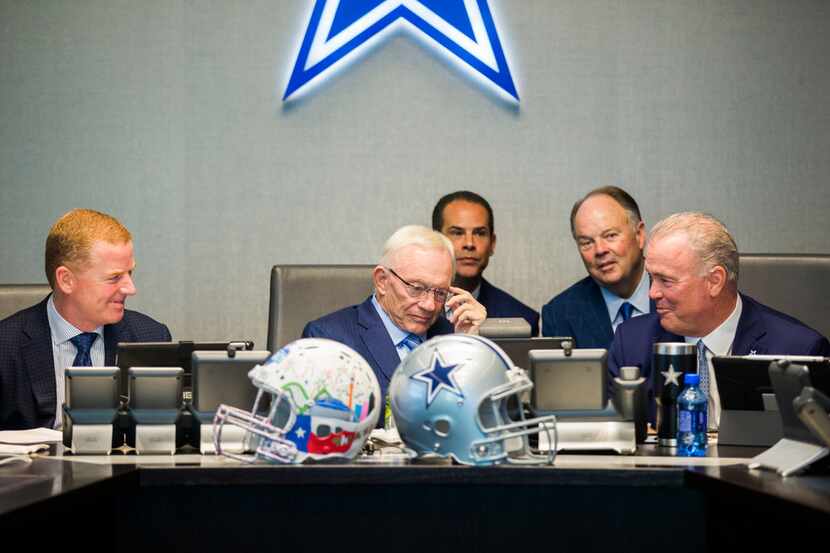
(89, 265)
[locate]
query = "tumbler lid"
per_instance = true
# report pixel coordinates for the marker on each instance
(630, 373)
(674, 348)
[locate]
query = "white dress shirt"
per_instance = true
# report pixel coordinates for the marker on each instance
(718, 342)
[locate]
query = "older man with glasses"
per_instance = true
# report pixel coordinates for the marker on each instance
(413, 301)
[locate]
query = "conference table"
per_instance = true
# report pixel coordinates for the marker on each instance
(652, 500)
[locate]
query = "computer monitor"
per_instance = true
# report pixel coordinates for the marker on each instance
(92, 388)
(166, 354)
(91, 401)
(219, 379)
(517, 348)
(749, 410)
(155, 388)
(567, 383)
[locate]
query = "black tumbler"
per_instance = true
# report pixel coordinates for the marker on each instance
(671, 361)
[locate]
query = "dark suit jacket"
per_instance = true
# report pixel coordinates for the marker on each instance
(27, 365)
(361, 328)
(761, 330)
(580, 312)
(501, 304)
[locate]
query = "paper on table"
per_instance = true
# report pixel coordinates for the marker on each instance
(11, 449)
(32, 436)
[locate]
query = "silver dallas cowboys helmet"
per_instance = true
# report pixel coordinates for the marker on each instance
(460, 396)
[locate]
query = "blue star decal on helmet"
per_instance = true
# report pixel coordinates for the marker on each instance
(340, 30)
(439, 377)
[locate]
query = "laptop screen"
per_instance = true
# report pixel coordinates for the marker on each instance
(743, 380)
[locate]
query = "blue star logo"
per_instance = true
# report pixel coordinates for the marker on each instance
(439, 376)
(339, 30)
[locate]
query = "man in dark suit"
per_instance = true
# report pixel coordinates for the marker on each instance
(467, 220)
(610, 235)
(693, 263)
(89, 265)
(412, 286)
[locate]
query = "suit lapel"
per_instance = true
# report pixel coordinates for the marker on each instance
(112, 335)
(377, 340)
(750, 332)
(484, 293)
(597, 322)
(38, 360)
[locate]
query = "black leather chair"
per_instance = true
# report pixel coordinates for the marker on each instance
(796, 284)
(302, 293)
(14, 297)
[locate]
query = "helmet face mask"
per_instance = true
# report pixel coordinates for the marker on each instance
(459, 396)
(325, 400)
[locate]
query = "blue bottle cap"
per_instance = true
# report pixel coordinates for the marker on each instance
(691, 379)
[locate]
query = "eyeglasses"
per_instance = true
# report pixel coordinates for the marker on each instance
(417, 291)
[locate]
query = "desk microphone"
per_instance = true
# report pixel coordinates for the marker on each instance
(812, 408)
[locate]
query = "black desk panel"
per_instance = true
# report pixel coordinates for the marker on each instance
(585, 503)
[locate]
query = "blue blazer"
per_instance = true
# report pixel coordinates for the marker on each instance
(501, 304)
(361, 328)
(761, 330)
(27, 365)
(580, 312)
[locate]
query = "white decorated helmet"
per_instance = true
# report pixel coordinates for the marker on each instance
(324, 402)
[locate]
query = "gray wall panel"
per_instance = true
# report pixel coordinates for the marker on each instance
(168, 114)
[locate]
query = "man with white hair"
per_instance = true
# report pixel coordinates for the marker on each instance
(693, 263)
(412, 287)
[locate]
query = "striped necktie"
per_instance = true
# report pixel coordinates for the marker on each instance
(83, 344)
(703, 367)
(411, 341)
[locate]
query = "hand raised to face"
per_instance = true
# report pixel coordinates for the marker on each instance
(466, 313)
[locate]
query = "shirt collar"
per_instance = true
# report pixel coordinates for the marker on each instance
(62, 330)
(392, 329)
(719, 341)
(639, 299)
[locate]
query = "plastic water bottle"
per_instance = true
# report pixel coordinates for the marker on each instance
(692, 422)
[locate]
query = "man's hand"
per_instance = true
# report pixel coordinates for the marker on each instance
(467, 314)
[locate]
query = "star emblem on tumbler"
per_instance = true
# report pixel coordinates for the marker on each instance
(671, 376)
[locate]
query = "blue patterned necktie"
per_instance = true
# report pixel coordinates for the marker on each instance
(411, 341)
(83, 343)
(626, 310)
(703, 367)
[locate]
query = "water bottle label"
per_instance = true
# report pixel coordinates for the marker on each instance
(691, 421)
(684, 421)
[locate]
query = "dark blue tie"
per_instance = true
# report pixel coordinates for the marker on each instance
(83, 343)
(411, 341)
(626, 309)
